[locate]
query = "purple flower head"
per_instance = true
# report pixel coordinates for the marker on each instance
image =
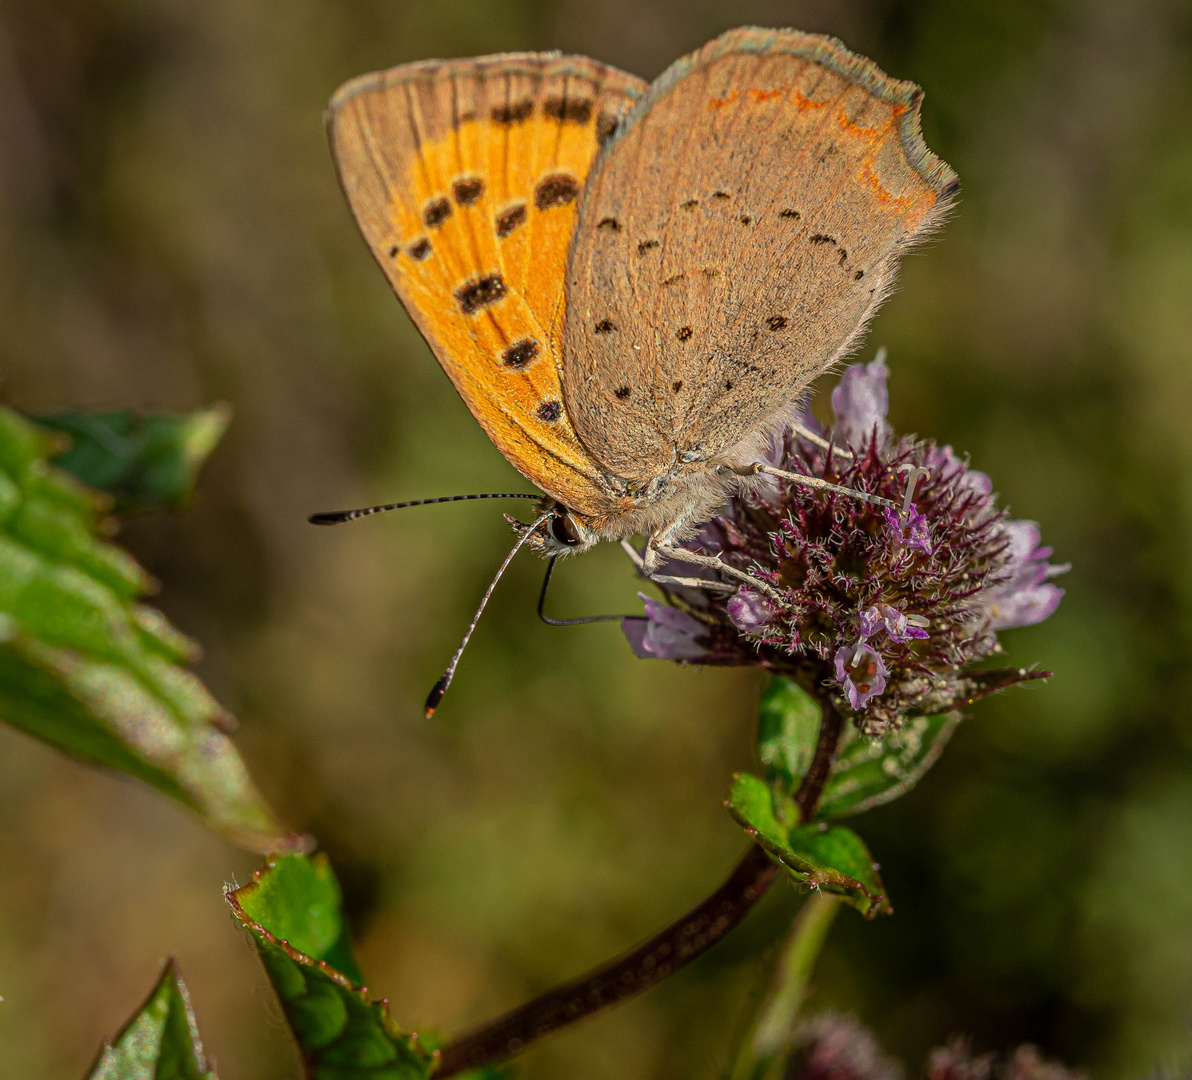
(860, 402)
(883, 612)
(829, 1046)
(862, 673)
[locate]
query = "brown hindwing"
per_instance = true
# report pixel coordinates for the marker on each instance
(739, 233)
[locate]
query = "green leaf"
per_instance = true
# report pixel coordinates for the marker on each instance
(141, 461)
(869, 772)
(831, 858)
(788, 724)
(88, 669)
(160, 1042)
(292, 911)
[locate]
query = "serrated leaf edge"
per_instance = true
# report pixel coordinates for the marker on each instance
(392, 1028)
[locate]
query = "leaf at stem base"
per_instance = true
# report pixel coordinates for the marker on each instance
(832, 858)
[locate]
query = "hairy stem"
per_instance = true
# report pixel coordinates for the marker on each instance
(660, 956)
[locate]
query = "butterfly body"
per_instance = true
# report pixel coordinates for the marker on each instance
(631, 285)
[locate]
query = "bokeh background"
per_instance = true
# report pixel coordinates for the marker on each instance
(171, 234)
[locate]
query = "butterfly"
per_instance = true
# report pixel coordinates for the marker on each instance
(633, 285)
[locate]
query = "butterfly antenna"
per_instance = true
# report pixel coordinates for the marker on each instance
(440, 688)
(550, 566)
(338, 517)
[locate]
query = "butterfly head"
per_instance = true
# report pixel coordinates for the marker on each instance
(565, 532)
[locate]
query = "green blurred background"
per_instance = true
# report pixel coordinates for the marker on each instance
(171, 234)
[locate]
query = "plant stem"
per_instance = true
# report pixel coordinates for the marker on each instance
(660, 956)
(765, 1050)
(812, 787)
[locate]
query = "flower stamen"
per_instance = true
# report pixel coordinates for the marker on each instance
(914, 473)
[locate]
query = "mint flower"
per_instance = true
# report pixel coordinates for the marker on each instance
(666, 634)
(885, 612)
(862, 673)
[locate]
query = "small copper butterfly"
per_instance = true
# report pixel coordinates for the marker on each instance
(632, 285)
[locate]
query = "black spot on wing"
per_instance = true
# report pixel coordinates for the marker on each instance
(622, 393)
(609, 223)
(558, 189)
(683, 333)
(550, 411)
(520, 353)
(820, 238)
(789, 213)
(858, 275)
(436, 212)
(419, 249)
(513, 113)
(480, 293)
(605, 326)
(776, 322)
(689, 204)
(468, 191)
(646, 245)
(567, 111)
(510, 218)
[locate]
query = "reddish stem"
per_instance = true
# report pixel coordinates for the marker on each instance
(662, 955)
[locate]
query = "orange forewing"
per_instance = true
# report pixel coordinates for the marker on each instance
(465, 178)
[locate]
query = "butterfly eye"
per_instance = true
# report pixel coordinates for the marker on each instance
(563, 530)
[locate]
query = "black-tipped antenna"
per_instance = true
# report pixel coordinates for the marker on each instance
(550, 566)
(338, 517)
(440, 688)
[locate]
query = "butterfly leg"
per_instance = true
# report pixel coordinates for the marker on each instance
(812, 482)
(712, 562)
(659, 547)
(820, 441)
(668, 579)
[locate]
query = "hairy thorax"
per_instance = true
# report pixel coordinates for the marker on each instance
(668, 507)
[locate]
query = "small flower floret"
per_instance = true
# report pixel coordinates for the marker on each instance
(862, 673)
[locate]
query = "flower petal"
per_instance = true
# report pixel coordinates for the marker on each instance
(749, 610)
(861, 401)
(1025, 607)
(666, 634)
